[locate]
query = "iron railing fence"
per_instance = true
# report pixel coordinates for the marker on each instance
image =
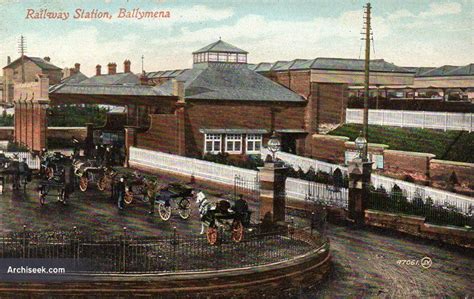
(459, 213)
(128, 253)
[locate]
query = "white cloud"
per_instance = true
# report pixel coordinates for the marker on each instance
(441, 9)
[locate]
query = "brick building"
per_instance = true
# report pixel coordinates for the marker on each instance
(32, 66)
(218, 105)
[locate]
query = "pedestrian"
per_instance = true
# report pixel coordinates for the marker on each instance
(120, 193)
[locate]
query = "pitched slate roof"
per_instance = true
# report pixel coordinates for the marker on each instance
(221, 46)
(439, 72)
(117, 84)
(343, 64)
(116, 79)
(419, 70)
(76, 78)
(467, 70)
(40, 62)
(225, 81)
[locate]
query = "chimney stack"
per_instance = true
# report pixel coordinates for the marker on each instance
(178, 89)
(97, 70)
(126, 66)
(47, 59)
(77, 67)
(9, 60)
(112, 68)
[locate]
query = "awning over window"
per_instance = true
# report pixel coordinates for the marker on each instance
(291, 131)
(234, 131)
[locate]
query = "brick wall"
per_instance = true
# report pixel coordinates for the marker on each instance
(328, 148)
(162, 134)
(237, 115)
(440, 172)
(400, 164)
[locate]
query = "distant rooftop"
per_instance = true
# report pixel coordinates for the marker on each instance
(115, 79)
(40, 62)
(220, 46)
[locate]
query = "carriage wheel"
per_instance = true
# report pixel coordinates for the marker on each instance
(102, 183)
(49, 172)
(128, 198)
(184, 208)
(164, 211)
(237, 231)
(212, 235)
(83, 183)
(146, 197)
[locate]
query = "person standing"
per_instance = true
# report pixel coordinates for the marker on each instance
(120, 192)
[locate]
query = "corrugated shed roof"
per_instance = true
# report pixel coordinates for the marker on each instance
(419, 70)
(221, 46)
(224, 81)
(263, 67)
(281, 65)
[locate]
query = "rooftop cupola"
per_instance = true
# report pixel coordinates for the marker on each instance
(220, 51)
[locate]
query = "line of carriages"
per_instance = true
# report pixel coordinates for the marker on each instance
(63, 173)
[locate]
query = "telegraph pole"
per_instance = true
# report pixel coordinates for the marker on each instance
(22, 51)
(367, 78)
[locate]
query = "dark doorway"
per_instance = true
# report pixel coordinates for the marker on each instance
(288, 143)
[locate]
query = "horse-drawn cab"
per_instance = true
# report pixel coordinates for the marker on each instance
(52, 164)
(223, 215)
(58, 176)
(89, 170)
(174, 197)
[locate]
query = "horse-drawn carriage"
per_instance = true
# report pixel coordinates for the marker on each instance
(56, 177)
(174, 197)
(89, 171)
(223, 216)
(12, 167)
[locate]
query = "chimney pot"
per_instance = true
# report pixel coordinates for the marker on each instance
(126, 66)
(9, 60)
(98, 70)
(47, 58)
(178, 89)
(112, 68)
(77, 67)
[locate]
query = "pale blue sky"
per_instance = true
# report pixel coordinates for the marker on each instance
(408, 33)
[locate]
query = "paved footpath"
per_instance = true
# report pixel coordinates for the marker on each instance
(365, 261)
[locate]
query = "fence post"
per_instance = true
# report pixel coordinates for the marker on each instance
(471, 125)
(403, 118)
(124, 238)
(445, 121)
(423, 122)
(175, 243)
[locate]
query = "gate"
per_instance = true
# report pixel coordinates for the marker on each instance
(250, 190)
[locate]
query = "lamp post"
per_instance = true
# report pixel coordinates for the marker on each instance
(361, 146)
(274, 145)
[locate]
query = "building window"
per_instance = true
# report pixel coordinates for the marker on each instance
(233, 143)
(212, 56)
(242, 58)
(254, 143)
(212, 143)
(232, 57)
(222, 57)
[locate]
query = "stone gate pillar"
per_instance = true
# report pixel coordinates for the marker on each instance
(272, 192)
(359, 182)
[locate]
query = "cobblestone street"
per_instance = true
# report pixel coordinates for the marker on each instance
(365, 261)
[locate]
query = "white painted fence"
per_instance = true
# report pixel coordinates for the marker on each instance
(304, 163)
(32, 161)
(438, 196)
(297, 189)
(187, 166)
(414, 119)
